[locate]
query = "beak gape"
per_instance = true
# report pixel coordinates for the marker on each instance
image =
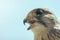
(25, 21)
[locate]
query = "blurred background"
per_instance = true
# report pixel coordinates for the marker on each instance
(12, 13)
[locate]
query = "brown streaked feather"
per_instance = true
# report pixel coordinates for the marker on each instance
(54, 34)
(42, 38)
(48, 37)
(57, 34)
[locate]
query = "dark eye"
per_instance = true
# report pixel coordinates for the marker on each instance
(38, 12)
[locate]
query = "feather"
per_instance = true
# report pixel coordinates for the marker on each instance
(42, 23)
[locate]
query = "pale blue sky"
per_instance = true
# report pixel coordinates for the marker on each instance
(12, 13)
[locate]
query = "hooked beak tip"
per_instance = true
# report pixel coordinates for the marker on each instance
(24, 21)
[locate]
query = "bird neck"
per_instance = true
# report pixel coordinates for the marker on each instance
(37, 36)
(39, 32)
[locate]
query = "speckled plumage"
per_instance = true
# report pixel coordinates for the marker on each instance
(42, 23)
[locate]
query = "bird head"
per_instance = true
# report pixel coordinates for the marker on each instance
(34, 16)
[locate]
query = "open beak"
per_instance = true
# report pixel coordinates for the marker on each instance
(30, 22)
(25, 21)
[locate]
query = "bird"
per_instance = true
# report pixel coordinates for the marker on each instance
(42, 23)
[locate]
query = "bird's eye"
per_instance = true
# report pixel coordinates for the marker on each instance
(38, 12)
